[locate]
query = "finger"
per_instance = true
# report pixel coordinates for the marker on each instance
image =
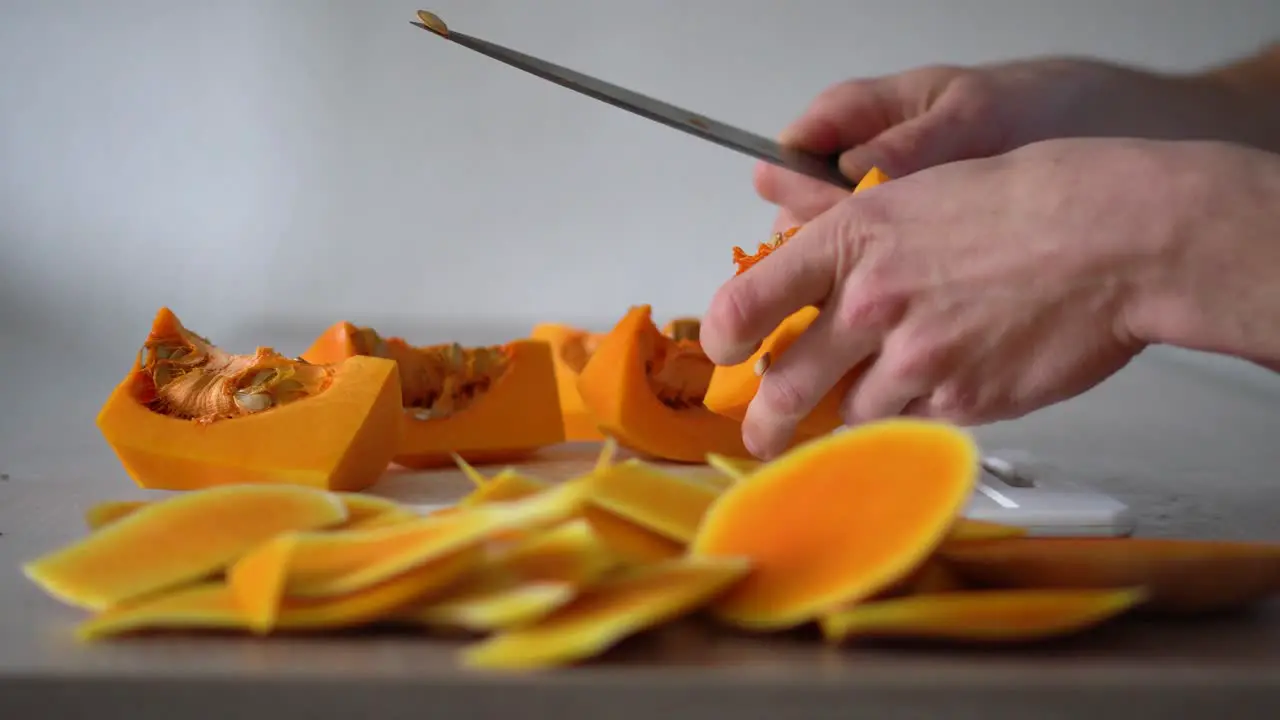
(785, 221)
(749, 306)
(804, 197)
(947, 132)
(842, 116)
(883, 390)
(798, 379)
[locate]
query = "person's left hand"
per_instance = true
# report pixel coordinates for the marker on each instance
(970, 292)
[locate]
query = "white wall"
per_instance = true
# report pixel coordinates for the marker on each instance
(291, 162)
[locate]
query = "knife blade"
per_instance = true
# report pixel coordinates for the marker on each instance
(816, 166)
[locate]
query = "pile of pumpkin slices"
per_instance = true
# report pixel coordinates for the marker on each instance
(859, 533)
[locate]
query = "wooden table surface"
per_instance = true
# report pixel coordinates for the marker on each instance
(1193, 453)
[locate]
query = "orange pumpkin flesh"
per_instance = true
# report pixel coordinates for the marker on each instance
(849, 515)
(733, 386)
(571, 348)
(645, 389)
(1181, 576)
(484, 404)
(189, 415)
(1002, 616)
(181, 539)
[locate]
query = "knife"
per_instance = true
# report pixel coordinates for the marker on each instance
(816, 166)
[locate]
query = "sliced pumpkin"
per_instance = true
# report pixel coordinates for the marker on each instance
(570, 349)
(216, 606)
(189, 415)
(732, 387)
(363, 511)
(630, 542)
(491, 609)
(663, 502)
(1001, 616)
(645, 389)
(104, 513)
(1181, 576)
(839, 519)
(608, 612)
(178, 540)
(484, 404)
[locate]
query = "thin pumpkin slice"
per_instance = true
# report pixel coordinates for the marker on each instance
(1181, 576)
(216, 606)
(178, 540)
(1000, 616)
(189, 415)
(838, 519)
(645, 390)
(320, 565)
(492, 609)
(104, 513)
(732, 387)
(631, 543)
(485, 404)
(602, 615)
(571, 348)
(932, 577)
(667, 504)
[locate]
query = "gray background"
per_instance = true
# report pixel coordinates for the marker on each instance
(265, 168)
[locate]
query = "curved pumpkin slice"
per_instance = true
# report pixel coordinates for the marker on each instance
(604, 614)
(178, 540)
(189, 415)
(363, 511)
(1002, 616)
(484, 404)
(105, 513)
(645, 390)
(628, 541)
(494, 609)
(733, 386)
(570, 349)
(1181, 576)
(667, 504)
(839, 519)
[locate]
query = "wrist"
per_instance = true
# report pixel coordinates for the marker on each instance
(1211, 284)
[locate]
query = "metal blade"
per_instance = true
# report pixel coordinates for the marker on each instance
(816, 166)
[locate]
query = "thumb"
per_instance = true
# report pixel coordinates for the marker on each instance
(939, 136)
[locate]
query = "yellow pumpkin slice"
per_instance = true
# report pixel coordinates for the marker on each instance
(970, 530)
(645, 390)
(336, 563)
(1001, 616)
(492, 609)
(178, 540)
(216, 606)
(485, 404)
(631, 543)
(571, 348)
(1181, 576)
(839, 519)
(667, 504)
(189, 415)
(608, 612)
(104, 513)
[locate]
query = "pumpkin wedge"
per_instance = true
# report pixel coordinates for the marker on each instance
(848, 516)
(189, 415)
(492, 609)
(1181, 576)
(571, 348)
(1000, 616)
(609, 611)
(484, 404)
(178, 540)
(645, 390)
(732, 387)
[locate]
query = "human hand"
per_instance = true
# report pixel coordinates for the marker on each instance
(972, 292)
(930, 116)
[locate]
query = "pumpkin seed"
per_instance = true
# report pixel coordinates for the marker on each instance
(433, 23)
(762, 364)
(252, 402)
(163, 375)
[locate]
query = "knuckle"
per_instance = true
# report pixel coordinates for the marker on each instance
(915, 358)
(780, 396)
(955, 403)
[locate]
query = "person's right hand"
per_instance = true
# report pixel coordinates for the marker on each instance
(931, 116)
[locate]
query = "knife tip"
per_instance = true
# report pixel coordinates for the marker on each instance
(431, 23)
